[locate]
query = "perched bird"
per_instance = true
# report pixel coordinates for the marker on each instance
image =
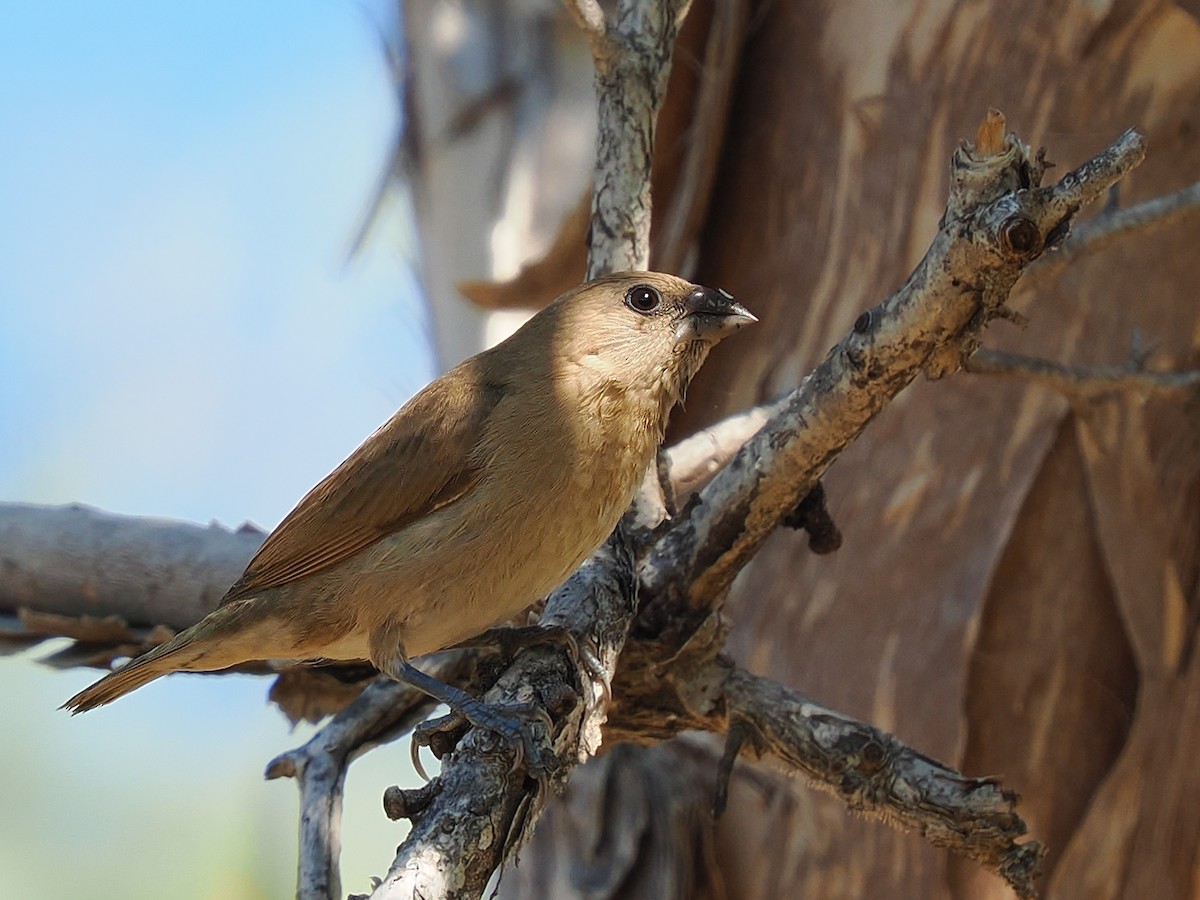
(481, 495)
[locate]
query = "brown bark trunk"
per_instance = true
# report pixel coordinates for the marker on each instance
(1002, 558)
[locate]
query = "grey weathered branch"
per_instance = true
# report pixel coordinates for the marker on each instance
(693, 462)
(1111, 226)
(869, 770)
(382, 712)
(78, 561)
(875, 774)
(632, 67)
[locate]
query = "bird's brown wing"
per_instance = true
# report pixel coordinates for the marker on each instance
(421, 460)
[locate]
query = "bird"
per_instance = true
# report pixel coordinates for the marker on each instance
(482, 494)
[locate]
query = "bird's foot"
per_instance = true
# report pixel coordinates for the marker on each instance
(513, 723)
(508, 640)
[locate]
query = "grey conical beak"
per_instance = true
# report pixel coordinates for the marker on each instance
(712, 315)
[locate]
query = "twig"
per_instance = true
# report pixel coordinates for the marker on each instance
(380, 713)
(1108, 228)
(700, 689)
(694, 461)
(874, 773)
(632, 67)
(1082, 382)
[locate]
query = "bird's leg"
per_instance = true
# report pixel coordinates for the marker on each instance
(508, 640)
(511, 723)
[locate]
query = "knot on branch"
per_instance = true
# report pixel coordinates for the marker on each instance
(404, 803)
(864, 760)
(812, 515)
(1020, 236)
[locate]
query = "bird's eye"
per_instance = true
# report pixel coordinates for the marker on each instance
(643, 298)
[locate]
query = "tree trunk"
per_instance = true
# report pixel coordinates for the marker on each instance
(1004, 555)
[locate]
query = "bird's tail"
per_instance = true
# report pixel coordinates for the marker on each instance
(130, 677)
(235, 633)
(227, 636)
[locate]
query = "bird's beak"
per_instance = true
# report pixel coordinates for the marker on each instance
(712, 315)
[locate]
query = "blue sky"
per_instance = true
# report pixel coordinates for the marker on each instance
(180, 330)
(181, 334)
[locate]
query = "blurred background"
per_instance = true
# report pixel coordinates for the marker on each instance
(184, 333)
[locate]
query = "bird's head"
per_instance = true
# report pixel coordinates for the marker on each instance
(645, 328)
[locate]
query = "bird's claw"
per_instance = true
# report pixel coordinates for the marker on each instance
(511, 723)
(440, 735)
(508, 640)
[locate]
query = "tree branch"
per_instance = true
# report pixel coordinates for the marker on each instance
(632, 67)
(989, 235)
(1109, 227)
(78, 561)
(380, 714)
(1082, 382)
(874, 773)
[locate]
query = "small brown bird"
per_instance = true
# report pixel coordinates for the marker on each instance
(480, 496)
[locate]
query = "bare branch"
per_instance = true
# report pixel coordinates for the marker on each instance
(1106, 229)
(631, 80)
(1082, 382)
(382, 712)
(874, 773)
(694, 461)
(78, 561)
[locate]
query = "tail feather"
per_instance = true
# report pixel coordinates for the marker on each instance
(128, 678)
(231, 634)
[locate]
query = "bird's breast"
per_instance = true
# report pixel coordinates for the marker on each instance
(549, 496)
